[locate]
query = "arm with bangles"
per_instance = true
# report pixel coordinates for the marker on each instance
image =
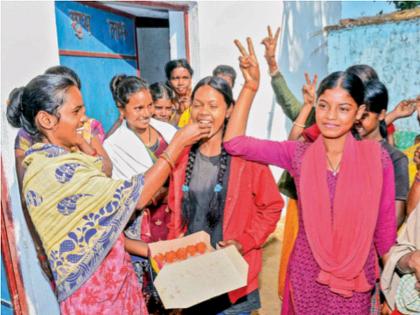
(157, 175)
(308, 91)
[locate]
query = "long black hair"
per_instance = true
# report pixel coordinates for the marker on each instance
(350, 83)
(216, 204)
(45, 92)
(376, 100)
(123, 86)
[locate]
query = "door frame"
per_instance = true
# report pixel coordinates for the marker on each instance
(9, 252)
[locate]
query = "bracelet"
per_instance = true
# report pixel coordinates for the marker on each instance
(299, 125)
(165, 157)
(274, 73)
(95, 153)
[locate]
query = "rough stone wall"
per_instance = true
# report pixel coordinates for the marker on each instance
(393, 49)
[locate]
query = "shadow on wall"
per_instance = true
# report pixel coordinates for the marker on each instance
(303, 44)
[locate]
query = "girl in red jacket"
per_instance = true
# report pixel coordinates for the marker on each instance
(236, 201)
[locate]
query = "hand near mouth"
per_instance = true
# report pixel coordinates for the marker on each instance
(194, 132)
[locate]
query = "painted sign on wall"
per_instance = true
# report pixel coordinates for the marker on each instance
(97, 44)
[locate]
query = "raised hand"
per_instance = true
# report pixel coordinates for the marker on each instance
(405, 108)
(270, 43)
(249, 65)
(309, 90)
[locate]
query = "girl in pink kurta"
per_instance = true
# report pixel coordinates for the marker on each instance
(346, 197)
(310, 297)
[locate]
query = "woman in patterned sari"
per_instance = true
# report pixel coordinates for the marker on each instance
(78, 212)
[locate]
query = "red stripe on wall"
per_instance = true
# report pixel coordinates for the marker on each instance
(80, 53)
(9, 252)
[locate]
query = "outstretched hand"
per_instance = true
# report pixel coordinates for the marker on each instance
(309, 90)
(249, 65)
(405, 108)
(270, 43)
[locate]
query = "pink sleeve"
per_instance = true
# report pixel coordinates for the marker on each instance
(264, 151)
(386, 226)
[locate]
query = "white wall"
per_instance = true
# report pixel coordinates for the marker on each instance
(302, 48)
(28, 47)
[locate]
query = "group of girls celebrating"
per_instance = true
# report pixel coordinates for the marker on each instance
(178, 161)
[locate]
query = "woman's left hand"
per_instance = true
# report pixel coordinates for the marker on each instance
(231, 242)
(249, 65)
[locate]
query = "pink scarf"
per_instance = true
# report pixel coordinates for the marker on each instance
(340, 240)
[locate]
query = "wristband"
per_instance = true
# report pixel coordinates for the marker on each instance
(165, 157)
(299, 125)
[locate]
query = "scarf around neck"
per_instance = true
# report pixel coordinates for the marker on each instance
(340, 235)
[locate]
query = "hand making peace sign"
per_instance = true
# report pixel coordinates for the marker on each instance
(270, 43)
(309, 90)
(249, 65)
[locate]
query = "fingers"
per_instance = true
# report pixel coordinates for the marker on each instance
(308, 80)
(250, 46)
(276, 37)
(241, 48)
(315, 80)
(270, 34)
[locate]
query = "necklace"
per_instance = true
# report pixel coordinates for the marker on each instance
(334, 169)
(150, 138)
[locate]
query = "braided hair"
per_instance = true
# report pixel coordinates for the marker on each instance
(216, 204)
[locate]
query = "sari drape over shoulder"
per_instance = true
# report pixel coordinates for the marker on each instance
(78, 212)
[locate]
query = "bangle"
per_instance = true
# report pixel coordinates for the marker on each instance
(299, 125)
(165, 157)
(95, 153)
(274, 73)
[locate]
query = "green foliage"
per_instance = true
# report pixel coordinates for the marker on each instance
(405, 5)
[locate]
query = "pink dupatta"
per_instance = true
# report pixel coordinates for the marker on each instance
(340, 240)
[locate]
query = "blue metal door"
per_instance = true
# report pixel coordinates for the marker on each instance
(97, 44)
(6, 301)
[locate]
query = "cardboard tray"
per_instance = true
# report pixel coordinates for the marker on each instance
(186, 283)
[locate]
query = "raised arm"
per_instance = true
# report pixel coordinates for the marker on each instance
(308, 91)
(290, 105)
(250, 70)
(405, 108)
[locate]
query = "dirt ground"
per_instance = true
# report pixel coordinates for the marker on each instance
(270, 301)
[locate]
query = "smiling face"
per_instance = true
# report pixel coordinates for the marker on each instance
(336, 112)
(210, 106)
(71, 116)
(163, 109)
(180, 81)
(369, 123)
(138, 110)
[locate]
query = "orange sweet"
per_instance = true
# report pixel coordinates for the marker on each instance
(159, 258)
(191, 250)
(170, 256)
(181, 253)
(201, 247)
